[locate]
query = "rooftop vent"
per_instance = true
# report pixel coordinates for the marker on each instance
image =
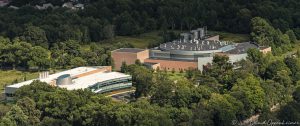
(64, 79)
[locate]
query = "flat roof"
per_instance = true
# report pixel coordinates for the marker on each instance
(79, 82)
(194, 45)
(132, 50)
(241, 48)
(87, 81)
(72, 72)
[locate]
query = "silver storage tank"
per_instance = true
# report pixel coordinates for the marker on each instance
(64, 80)
(201, 32)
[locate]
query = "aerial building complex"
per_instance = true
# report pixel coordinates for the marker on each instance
(98, 79)
(192, 50)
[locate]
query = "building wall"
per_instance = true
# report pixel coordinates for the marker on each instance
(170, 64)
(237, 57)
(143, 55)
(128, 57)
(232, 58)
(266, 50)
(181, 54)
(216, 37)
(112, 85)
(204, 61)
(155, 66)
(120, 57)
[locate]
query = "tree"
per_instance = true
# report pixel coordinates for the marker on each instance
(222, 70)
(180, 116)
(15, 117)
(283, 78)
(244, 16)
(124, 67)
(138, 62)
(250, 93)
(281, 24)
(149, 114)
(34, 90)
(221, 62)
(77, 62)
(72, 47)
(173, 70)
(275, 92)
(108, 32)
(36, 36)
(261, 31)
(62, 104)
(294, 65)
(204, 119)
(39, 57)
(182, 94)
(254, 55)
(274, 67)
(296, 95)
(210, 82)
(48, 121)
(126, 25)
(292, 36)
(4, 109)
(29, 108)
(142, 78)
(289, 112)
(163, 92)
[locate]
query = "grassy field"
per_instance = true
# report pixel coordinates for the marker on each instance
(176, 75)
(11, 76)
(141, 41)
(144, 40)
(231, 36)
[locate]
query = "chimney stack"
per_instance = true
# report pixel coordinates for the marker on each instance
(44, 75)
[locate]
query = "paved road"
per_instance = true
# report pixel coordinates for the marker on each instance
(119, 93)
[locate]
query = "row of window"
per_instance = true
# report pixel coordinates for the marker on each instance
(115, 88)
(98, 86)
(9, 95)
(116, 80)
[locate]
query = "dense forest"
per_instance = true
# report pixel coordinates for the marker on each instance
(103, 19)
(18, 54)
(265, 84)
(61, 31)
(218, 96)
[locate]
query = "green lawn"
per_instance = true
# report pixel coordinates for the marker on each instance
(140, 41)
(144, 40)
(11, 76)
(176, 76)
(231, 36)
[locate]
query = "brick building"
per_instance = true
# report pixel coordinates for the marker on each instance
(193, 49)
(129, 56)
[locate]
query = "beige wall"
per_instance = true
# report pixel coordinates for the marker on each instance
(128, 57)
(143, 55)
(170, 64)
(266, 50)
